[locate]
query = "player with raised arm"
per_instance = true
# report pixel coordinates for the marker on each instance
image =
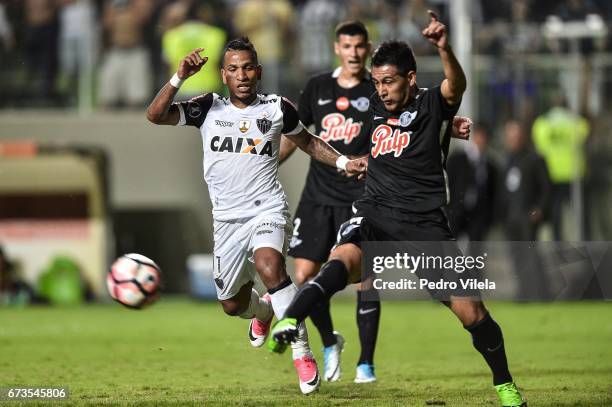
(405, 192)
(241, 141)
(337, 104)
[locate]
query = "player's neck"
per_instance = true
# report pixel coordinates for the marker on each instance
(242, 103)
(348, 80)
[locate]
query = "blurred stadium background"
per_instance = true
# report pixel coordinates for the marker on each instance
(85, 177)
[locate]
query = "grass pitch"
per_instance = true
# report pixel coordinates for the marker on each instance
(180, 352)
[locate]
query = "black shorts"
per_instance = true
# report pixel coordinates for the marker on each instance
(372, 223)
(315, 229)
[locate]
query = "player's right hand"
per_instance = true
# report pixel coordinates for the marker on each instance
(358, 166)
(191, 64)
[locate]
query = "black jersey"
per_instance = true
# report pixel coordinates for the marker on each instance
(408, 150)
(341, 118)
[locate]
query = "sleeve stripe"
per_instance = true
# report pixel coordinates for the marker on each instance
(298, 128)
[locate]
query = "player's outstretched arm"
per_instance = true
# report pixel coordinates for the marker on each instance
(160, 110)
(287, 147)
(454, 84)
(321, 151)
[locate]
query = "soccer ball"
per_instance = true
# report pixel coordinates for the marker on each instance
(134, 281)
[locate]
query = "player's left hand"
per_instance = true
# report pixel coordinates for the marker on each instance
(358, 167)
(462, 127)
(436, 32)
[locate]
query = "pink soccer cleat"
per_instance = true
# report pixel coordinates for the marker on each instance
(308, 373)
(259, 330)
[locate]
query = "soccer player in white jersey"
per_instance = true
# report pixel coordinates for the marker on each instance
(241, 139)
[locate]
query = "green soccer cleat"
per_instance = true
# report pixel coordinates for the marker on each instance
(509, 395)
(283, 332)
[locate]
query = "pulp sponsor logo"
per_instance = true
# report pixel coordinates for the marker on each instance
(387, 140)
(241, 145)
(342, 103)
(336, 127)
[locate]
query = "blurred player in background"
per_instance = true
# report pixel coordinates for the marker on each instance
(337, 103)
(405, 190)
(241, 137)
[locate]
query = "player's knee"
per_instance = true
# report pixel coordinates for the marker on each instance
(469, 312)
(304, 274)
(271, 270)
(232, 308)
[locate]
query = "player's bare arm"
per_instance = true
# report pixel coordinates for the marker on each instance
(321, 151)
(454, 84)
(287, 147)
(160, 110)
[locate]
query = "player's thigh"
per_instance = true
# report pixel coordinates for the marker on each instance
(269, 234)
(314, 232)
(305, 269)
(230, 258)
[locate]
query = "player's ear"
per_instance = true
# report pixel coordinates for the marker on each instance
(258, 71)
(223, 76)
(412, 78)
(336, 48)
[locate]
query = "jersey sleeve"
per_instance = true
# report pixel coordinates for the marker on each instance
(438, 105)
(193, 112)
(305, 104)
(291, 119)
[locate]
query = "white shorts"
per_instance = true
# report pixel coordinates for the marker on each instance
(235, 243)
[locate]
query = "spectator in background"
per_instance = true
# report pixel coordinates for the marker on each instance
(525, 186)
(559, 135)
(41, 47)
(317, 19)
(78, 47)
(267, 23)
(186, 32)
(523, 204)
(473, 177)
(7, 38)
(125, 75)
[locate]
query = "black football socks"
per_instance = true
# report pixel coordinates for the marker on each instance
(488, 340)
(321, 318)
(332, 278)
(368, 317)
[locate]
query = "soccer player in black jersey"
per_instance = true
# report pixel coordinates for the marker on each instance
(404, 194)
(337, 103)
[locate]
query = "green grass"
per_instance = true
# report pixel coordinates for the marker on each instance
(184, 353)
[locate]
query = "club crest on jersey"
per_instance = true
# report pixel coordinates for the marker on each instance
(244, 125)
(362, 104)
(406, 118)
(263, 124)
(194, 110)
(242, 145)
(387, 140)
(336, 127)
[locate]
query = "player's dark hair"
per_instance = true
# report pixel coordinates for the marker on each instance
(396, 53)
(351, 27)
(241, 44)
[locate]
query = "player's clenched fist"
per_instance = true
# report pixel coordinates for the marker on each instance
(191, 64)
(358, 166)
(436, 32)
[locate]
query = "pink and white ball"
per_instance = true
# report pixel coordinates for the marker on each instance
(134, 281)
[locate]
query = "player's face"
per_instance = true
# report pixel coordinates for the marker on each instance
(353, 51)
(393, 88)
(240, 73)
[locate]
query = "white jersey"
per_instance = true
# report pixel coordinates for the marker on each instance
(241, 148)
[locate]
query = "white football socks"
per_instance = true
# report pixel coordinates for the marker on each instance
(258, 308)
(280, 302)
